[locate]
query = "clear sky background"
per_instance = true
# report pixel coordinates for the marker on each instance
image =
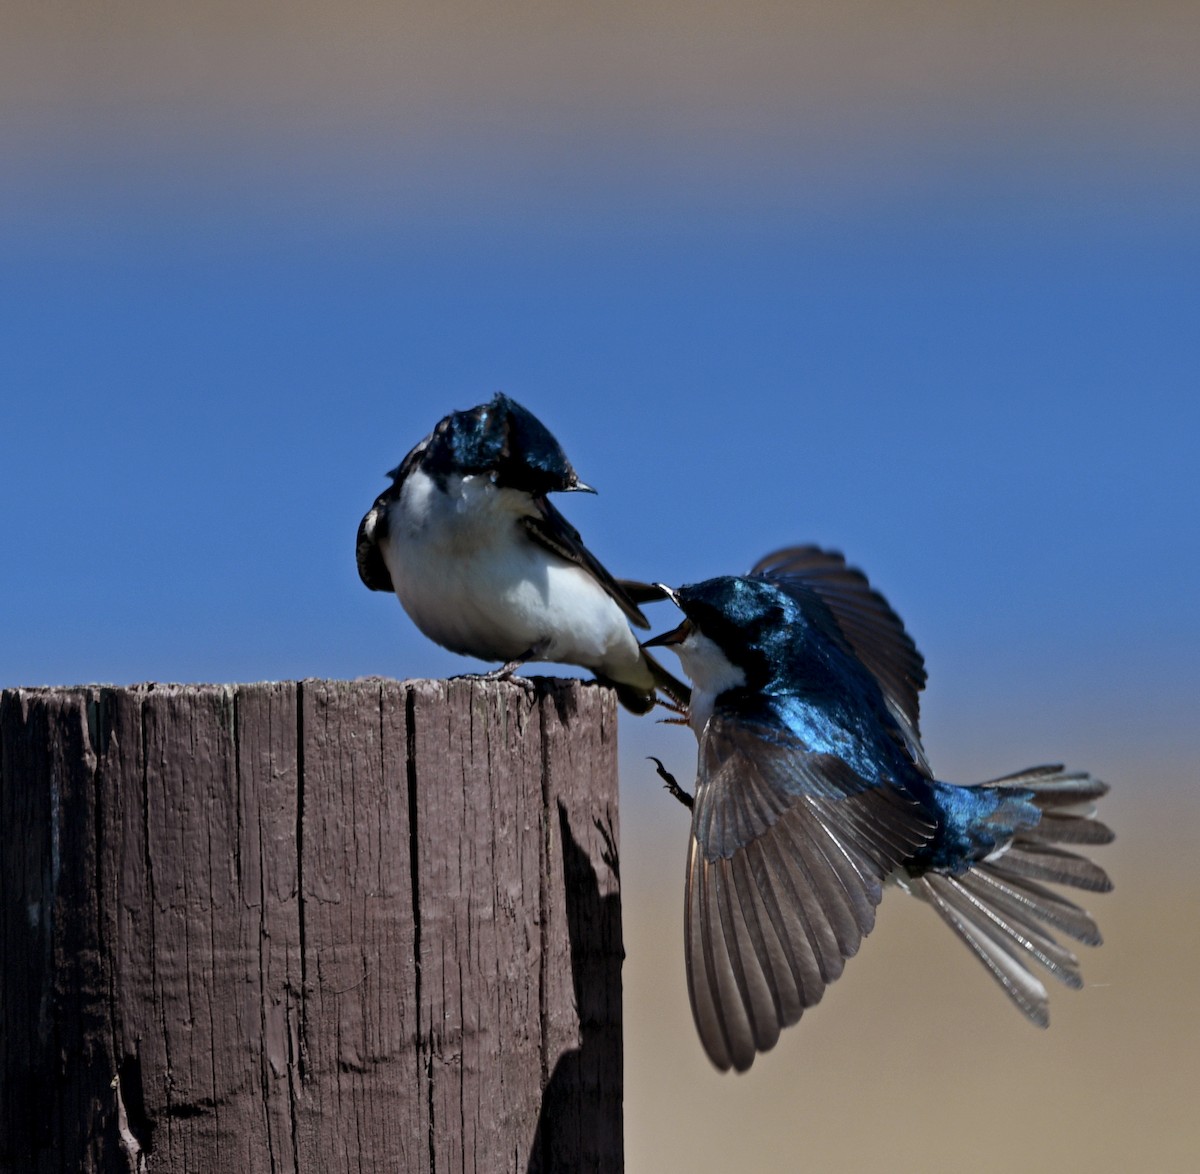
(920, 281)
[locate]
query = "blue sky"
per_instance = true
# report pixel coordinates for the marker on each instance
(987, 403)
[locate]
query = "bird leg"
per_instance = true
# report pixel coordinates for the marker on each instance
(671, 785)
(680, 711)
(507, 670)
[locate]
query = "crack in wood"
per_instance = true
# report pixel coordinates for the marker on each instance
(258, 884)
(423, 1044)
(129, 1143)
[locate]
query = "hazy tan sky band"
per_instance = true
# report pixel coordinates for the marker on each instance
(531, 91)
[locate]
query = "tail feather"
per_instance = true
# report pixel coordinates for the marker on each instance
(1028, 899)
(1009, 971)
(1037, 861)
(1056, 827)
(1009, 931)
(998, 907)
(1053, 784)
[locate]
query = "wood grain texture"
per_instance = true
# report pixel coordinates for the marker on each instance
(315, 926)
(580, 1126)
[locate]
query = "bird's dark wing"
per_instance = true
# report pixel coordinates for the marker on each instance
(549, 528)
(873, 631)
(788, 855)
(372, 570)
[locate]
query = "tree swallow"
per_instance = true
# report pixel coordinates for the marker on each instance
(813, 791)
(487, 567)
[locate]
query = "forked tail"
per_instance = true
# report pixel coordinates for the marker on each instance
(1000, 906)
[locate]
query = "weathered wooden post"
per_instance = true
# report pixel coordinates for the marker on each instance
(310, 927)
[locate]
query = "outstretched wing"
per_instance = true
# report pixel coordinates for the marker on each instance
(788, 855)
(871, 629)
(549, 528)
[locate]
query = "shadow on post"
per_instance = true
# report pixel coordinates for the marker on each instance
(578, 1126)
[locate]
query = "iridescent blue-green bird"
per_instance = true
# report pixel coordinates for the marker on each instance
(813, 792)
(467, 539)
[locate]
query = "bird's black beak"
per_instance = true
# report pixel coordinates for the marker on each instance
(668, 592)
(674, 636)
(580, 487)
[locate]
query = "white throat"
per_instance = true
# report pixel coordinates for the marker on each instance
(711, 673)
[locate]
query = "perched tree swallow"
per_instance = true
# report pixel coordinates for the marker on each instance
(813, 790)
(487, 567)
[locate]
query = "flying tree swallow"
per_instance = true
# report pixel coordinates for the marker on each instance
(485, 566)
(813, 791)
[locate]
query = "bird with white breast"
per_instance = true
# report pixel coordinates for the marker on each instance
(486, 566)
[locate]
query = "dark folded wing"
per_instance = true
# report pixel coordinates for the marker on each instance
(549, 528)
(372, 569)
(788, 855)
(873, 631)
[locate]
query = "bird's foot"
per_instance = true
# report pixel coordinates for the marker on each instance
(504, 672)
(676, 707)
(671, 785)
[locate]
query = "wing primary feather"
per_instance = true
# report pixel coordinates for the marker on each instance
(807, 892)
(733, 1027)
(873, 864)
(861, 888)
(787, 916)
(721, 895)
(772, 952)
(701, 980)
(748, 956)
(843, 905)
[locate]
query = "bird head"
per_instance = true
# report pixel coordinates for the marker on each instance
(505, 441)
(734, 630)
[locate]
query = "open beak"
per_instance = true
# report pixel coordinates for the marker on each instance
(674, 636)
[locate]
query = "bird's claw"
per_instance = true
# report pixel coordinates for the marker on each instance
(671, 785)
(673, 705)
(504, 672)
